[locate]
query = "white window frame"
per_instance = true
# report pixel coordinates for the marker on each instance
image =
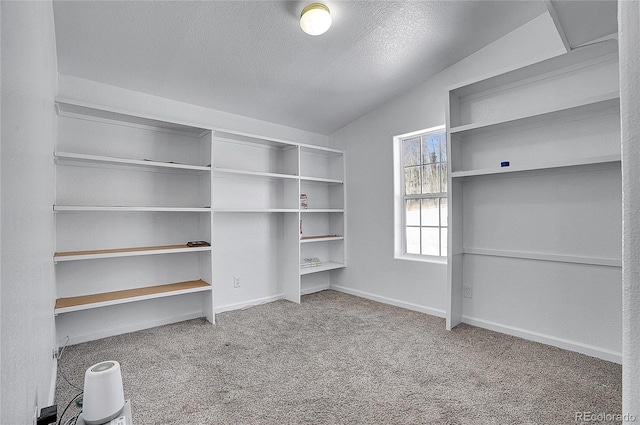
(399, 199)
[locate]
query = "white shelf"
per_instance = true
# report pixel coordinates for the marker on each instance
(87, 302)
(309, 239)
(88, 208)
(584, 106)
(323, 267)
(322, 210)
(126, 252)
(68, 158)
(256, 210)
(320, 180)
(81, 110)
(557, 64)
(320, 150)
(593, 162)
(253, 173)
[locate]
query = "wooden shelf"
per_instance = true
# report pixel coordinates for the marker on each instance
(68, 158)
(90, 208)
(323, 267)
(323, 238)
(589, 162)
(86, 302)
(126, 252)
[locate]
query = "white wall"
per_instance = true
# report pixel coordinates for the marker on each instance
(629, 32)
(373, 272)
(28, 131)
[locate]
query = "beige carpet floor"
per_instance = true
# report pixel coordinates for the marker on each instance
(340, 359)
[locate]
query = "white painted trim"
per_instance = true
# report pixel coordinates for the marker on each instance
(250, 303)
(104, 333)
(541, 256)
(557, 24)
(391, 301)
(313, 289)
(565, 344)
(435, 129)
(52, 387)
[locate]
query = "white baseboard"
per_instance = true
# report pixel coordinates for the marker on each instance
(317, 288)
(250, 303)
(589, 350)
(385, 300)
(104, 333)
(52, 387)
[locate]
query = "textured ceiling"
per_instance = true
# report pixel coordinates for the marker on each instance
(251, 58)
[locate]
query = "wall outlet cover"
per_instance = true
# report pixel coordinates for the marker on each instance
(467, 291)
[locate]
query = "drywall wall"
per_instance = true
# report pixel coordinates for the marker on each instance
(28, 130)
(373, 272)
(125, 100)
(629, 36)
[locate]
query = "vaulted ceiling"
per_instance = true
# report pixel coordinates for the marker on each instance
(251, 58)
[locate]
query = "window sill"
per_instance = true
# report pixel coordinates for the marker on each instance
(422, 258)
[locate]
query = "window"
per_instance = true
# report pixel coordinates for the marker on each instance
(421, 193)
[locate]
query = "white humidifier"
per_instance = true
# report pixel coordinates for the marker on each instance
(103, 398)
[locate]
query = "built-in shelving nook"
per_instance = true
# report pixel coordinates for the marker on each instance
(535, 195)
(258, 186)
(131, 192)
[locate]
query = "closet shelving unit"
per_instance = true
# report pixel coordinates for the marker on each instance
(549, 121)
(254, 176)
(131, 191)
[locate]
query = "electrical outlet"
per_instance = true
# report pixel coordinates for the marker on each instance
(236, 281)
(467, 292)
(56, 353)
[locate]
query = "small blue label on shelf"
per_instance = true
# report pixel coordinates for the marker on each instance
(504, 164)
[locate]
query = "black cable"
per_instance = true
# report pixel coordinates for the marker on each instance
(73, 420)
(68, 405)
(59, 364)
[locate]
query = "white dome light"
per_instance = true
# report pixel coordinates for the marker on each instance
(315, 19)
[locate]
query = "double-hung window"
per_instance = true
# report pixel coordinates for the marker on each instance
(421, 193)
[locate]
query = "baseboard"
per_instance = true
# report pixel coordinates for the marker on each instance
(398, 303)
(250, 303)
(565, 344)
(104, 333)
(52, 387)
(317, 288)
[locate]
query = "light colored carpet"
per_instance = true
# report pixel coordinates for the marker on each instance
(340, 359)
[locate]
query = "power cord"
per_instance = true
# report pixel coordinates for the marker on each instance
(67, 407)
(59, 364)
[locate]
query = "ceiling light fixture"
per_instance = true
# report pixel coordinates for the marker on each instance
(315, 19)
